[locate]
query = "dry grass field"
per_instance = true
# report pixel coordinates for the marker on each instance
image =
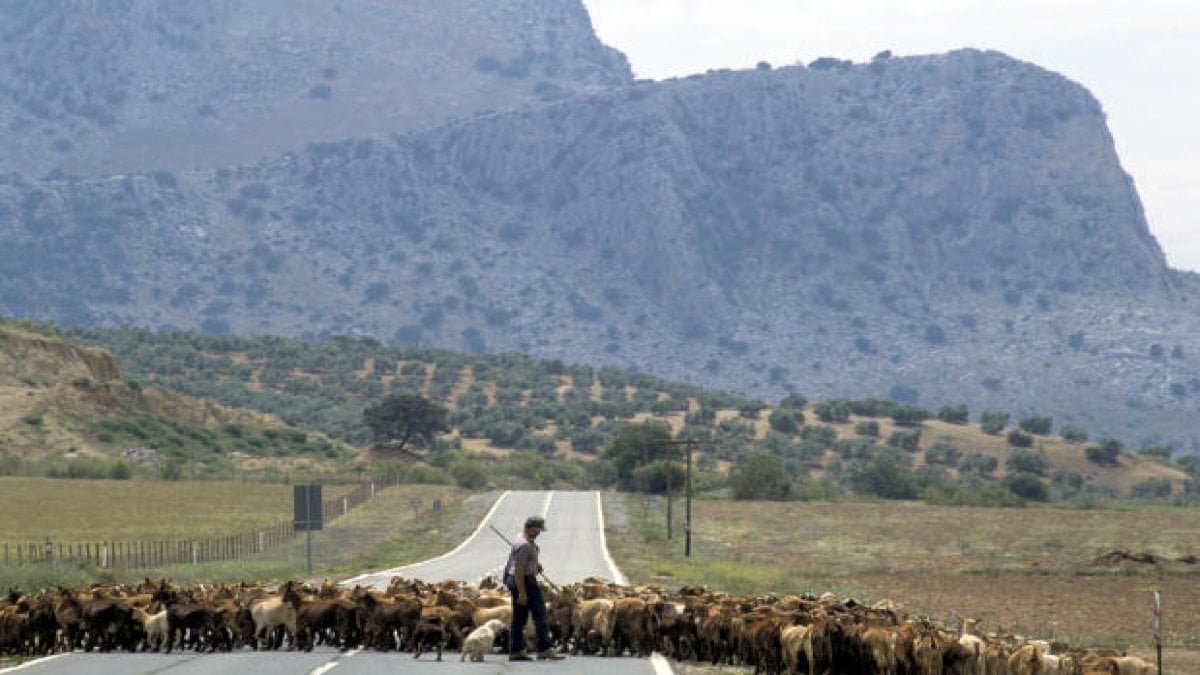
(96, 510)
(1034, 570)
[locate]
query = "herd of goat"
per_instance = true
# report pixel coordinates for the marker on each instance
(773, 634)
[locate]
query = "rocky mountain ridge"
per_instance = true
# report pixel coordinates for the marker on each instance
(936, 229)
(93, 88)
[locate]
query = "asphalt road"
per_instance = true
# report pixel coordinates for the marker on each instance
(572, 549)
(572, 545)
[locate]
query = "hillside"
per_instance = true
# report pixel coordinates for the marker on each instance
(63, 403)
(558, 421)
(91, 89)
(932, 229)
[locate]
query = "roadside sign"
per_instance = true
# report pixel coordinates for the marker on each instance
(307, 508)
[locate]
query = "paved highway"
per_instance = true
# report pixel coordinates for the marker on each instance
(573, 548)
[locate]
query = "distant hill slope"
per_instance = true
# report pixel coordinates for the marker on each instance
(92, 88)
(62, 399)
(500, 404)
(933, 229)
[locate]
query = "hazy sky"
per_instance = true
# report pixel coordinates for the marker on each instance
(1139, 58)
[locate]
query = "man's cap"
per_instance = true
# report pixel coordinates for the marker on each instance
(536, 521)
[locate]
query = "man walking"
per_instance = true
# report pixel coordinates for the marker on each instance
(520, 576)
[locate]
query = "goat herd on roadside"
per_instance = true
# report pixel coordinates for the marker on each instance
(773, 634)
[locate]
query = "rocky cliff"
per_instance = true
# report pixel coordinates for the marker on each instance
(93, 87)
(941, 229)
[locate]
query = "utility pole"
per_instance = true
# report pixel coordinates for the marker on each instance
(689, 444)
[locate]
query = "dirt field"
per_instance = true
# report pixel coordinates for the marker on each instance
(1034, 570)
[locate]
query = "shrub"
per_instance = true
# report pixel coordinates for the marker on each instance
(1107, 453)
(909, 415)
(883, 478)
(1028, 486)
(428, 475)
(834, 411)
(1038, 424)
(784, 420)
(993, 422)
(867, 428)
(469, 475)
(1019, 439)
(120, 470)
(819, 434)
(172, 469)
(1072, 433)
(654, 477)
(958, 495)
(760, 476)
(1027, 461)
(855, 448)
(588, 441)
(1151, 488)
(796, 401)
(750, 409)
(702, 417)
(1067, 478)
(978, 463)
(872, 407)
(943, 453)
(908, 440)
(1161, 453)
(953, 414)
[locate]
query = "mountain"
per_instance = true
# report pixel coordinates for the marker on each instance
(935, 229)
(95, 87)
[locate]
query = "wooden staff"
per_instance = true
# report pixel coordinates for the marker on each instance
(540, 573)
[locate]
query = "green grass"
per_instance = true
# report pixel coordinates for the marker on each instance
(383, 532)
(103, 510)
(649, 557)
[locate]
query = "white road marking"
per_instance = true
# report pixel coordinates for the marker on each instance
(393, 571)
(612, 566)
(322, 669)
(661, 665)
(33, 663)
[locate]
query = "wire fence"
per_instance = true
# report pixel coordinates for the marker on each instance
(144, 553)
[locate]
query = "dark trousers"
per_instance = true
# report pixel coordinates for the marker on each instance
(535, 605)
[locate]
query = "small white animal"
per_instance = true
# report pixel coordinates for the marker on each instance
(480, 641)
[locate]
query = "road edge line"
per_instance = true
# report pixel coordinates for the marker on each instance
(27, 664)
(486, 517)
(612, 565)
(661, 665)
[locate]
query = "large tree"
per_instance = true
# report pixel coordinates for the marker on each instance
(760, 476)
(635, 446)
(399, 419)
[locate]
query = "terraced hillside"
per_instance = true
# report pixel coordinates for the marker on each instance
(560, 421)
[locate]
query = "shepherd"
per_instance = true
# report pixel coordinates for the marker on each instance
(520, 576)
